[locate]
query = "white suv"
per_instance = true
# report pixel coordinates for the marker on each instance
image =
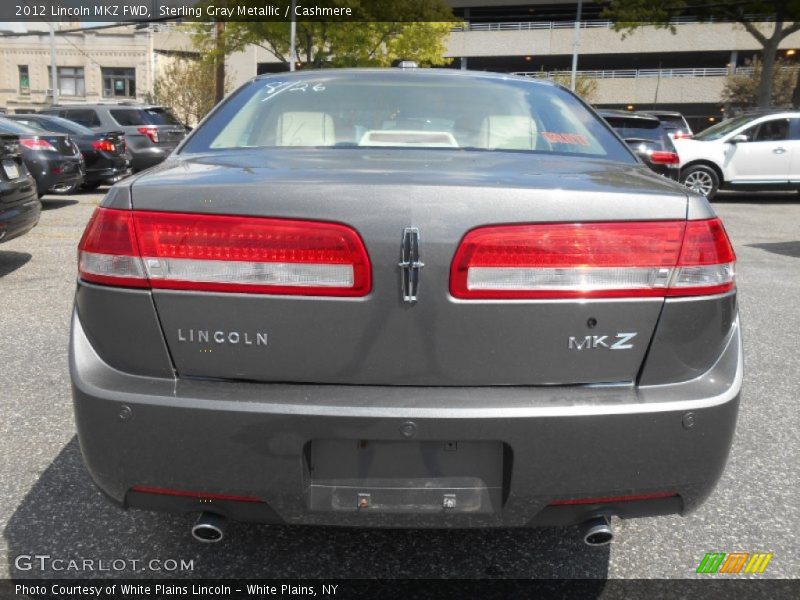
(752, 151)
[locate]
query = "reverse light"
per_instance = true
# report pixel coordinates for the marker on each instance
(593, 260)
(35, 143)
(223, 253)
(150, 132)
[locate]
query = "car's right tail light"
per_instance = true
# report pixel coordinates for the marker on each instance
(36, 143)
(150, 132)
(223, 253)
(593, 260)
(662, 157)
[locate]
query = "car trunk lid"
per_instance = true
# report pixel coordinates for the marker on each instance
(381, 338)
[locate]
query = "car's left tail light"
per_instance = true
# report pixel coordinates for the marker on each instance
(222, 253)
(594, 260)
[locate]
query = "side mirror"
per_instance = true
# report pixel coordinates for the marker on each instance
(738, 139)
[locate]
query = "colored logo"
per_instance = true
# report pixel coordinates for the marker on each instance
(734, 562)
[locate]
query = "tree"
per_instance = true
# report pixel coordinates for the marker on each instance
(188, 88)
(585, 87)
(384, 32)
(741, 90)
(783, 15)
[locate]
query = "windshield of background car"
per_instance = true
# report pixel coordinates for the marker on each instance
(722, 129)
(64, 126)
(407, 110)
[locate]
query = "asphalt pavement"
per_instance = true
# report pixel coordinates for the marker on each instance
(49, 506)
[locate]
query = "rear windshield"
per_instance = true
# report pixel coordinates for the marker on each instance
(144, 116)
(639, 129)
(406, 110)
(60, 125)
(9, 126)
(674, 122)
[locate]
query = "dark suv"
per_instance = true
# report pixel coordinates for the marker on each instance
(151, 132)
(648, 138)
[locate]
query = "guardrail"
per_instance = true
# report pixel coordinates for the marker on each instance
(587, 24)
(644, 73)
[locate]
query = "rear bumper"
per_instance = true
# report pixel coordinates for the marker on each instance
(146, 157)
(257, 440)
(20, 218)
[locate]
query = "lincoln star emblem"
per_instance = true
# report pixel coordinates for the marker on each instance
(410, 264)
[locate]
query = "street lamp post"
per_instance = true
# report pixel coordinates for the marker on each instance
(293, 39)
(575, 47)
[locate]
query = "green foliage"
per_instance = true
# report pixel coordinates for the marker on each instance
(741, 90)
(187, 86)
(401, 29)
(585, 87)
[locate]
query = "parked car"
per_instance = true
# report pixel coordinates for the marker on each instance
(759, 152)
(19, 203)
(151, 132)
(405, 297)
(52, 158)
(674, 122)
(105, 153)
(648, 138)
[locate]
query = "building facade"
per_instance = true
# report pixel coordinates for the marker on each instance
(106, 65)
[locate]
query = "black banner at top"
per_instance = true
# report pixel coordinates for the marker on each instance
(225, 10)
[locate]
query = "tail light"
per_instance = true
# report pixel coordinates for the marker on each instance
(681, 135)
(223, 253)
(660, 157)
(150, 132)
(104, 145)
(594, 260)
(35, 143)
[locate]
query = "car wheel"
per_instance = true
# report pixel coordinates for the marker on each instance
(89, 187)
(701, 179)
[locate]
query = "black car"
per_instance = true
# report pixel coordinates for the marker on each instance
(104, 152)
(151, 132)
(52, 158)
(648, 138)
(19, 204)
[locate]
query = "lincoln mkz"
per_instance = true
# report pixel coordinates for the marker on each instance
(405, 298)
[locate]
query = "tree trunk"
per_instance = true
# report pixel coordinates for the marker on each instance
(769, 56)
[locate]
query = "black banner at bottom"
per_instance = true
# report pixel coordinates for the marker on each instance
(645, 589)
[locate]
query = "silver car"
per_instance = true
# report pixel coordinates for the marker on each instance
(405, 298)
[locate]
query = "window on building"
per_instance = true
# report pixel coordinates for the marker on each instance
(71, 81)
(24, 80)
(119, 83)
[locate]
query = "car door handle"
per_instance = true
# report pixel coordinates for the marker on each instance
(779, 150)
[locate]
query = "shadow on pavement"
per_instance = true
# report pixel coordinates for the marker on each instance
(64, 515)
(783, 248)
(743, 197)
(49, 203)
(10, 261)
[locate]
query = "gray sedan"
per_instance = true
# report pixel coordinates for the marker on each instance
(406, 298)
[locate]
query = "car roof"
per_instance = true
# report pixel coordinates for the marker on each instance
(661, 113)
(104, 105)
(624, 114)
(402, 72)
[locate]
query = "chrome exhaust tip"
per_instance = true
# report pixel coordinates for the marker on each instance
(597, 531)
(209, 528)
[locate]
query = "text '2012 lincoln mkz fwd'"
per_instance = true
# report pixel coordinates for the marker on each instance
(407, 298)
